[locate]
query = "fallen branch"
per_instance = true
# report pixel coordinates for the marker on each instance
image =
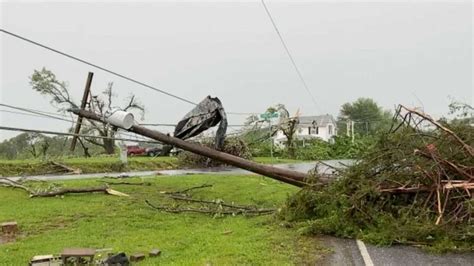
(64, 191)
(208, 211)
(7, 182)
(446, 185)
(216, 202)
(188, 189)
(467, 147)
(67, 168)
(125, 183)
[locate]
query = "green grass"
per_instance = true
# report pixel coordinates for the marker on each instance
(86, 165)
(126, 224)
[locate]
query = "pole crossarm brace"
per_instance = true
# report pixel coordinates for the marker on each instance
(287, 176)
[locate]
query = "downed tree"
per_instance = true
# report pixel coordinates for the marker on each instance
(415, 186)
(283, 175)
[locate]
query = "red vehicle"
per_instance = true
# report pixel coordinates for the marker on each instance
(135, 150)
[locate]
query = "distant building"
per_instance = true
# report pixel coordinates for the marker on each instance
(311, 127)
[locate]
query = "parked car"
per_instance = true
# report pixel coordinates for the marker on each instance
(152, 152)
(135, 150)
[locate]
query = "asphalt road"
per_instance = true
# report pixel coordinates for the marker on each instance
(347, 252)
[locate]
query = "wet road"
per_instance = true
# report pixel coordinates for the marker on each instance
(347, 252)
(325, 167)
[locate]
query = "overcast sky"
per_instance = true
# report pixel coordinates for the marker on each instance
(415, 53)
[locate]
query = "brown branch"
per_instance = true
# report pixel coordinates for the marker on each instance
(467, 147)
(125, 183)
(207, 211)
(189, 189)
(249, 208)
(64, 191)
(6, 182)
(444, 162)
(446, 185)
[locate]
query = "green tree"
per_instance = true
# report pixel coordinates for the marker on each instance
(369, 118)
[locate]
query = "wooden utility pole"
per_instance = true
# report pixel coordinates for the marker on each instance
(85, 96)
(352, 130)
(283, 175)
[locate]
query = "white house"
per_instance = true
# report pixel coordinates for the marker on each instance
(311, 127)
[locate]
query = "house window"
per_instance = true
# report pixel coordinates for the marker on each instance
(313, 130)
(330, 129)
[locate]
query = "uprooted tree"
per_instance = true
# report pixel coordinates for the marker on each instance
(415, 186)
(45, 82)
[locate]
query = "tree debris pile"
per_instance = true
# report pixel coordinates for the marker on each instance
(232, 145)
(414, 187)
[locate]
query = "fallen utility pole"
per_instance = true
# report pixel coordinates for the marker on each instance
(287, 176)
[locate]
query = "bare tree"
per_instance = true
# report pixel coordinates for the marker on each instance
(45, 82)
(288, 126)
(38, 144)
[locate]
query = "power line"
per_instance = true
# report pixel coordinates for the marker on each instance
(34, 112)
(105, 69)
(37, 113)
(289, 55)
(69, 134)
(96, 66)
(20, 113)
(173, 125)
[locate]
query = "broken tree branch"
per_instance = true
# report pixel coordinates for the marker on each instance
(189, 189)
(208, 211)
(467, 147)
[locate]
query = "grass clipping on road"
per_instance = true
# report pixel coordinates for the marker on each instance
(415, 187)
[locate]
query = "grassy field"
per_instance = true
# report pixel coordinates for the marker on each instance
(128, 224)
(101, 165)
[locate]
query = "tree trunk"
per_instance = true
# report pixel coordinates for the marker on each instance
(109, 146)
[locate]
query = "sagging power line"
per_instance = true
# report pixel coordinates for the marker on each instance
(68, 55)
(37, 113)
(298, 72)
(47, 132)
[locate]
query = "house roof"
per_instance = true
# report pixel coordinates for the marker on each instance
(321, 120)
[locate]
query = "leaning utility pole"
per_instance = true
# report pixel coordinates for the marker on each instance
(87, 90)
(283, 175)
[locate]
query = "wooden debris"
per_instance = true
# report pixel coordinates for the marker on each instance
(67, 168)
(64, 191)
(155, 253)
(78, 255)
(137, 257)
(9, 228)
